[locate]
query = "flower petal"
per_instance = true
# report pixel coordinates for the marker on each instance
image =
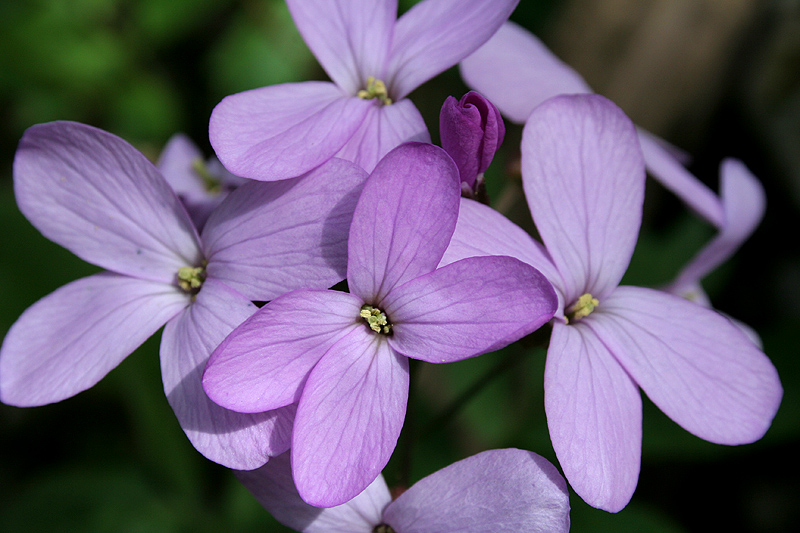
(99, 197)
(594, 414)
(517, 72)
(349, 418)
(695, 365)
(496, 490)
(385, 128)
(399, 233)
(583, 175)
(264, 362)
(175, 164)
(69, 340)
(273, 487)
(434, 35)
(669, 171)
(269, 238)
(235, 440)
(467, 308)
(283, 131)
(350, 38)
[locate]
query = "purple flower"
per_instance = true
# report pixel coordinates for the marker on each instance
(497, 490)
(583, 176)
(97, 196)
(471, 130)
(517, 72)
(344, 356)
(200, 184)
(374, 60)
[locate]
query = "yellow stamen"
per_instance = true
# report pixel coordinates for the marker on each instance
(376, 319)
(582, 308)
(375, 89)
(190, 279)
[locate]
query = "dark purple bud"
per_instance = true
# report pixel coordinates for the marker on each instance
(471, 130)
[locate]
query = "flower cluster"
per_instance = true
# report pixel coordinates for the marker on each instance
(274, 371)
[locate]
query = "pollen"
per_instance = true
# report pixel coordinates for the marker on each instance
(376, 319)
(190, 279)
(375, 89)
(582, 308)
(383, 528)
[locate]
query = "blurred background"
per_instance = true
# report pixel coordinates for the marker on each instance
(717, 79)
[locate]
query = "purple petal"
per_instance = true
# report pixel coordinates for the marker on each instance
(97, 196)
(695, 365)
(594, 413)
(385, 128)
(467, 308)
(497, 490)
(350, 38)
(744, 203)
(483, 231)
(517, 72)
(264, 362)
(176, 165)
(269, 238)
(69, 340)
(434, 35)
(235, 440)
(283, 131)
(403, 220)
(668, 170)
(349, 418)
(583, 175)
(273, 487)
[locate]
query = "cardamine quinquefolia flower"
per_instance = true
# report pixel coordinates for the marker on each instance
(517, 72)
(374, 61)
(97, 196)
(583, 175)
(343, 357)
(497, 490)
(471, 131)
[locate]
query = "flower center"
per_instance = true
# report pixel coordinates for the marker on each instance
(190, 279)
(582, 308)
(382, 528)
(212, 184)
(376, 319)
(375, 89)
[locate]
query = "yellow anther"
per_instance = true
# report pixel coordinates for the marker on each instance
(190, 279)
(375, 89)
(582, 308)
(376, 319)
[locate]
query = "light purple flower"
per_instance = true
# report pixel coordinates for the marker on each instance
(97, 196)
(471, 131)
(497, 490)
(344, 356)
(200, 184)
(374, 60)
(517, 72)
(583, 176)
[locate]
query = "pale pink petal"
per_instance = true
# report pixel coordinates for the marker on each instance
(99, 197)
(386, 127)
(266, 239)
(583, 175)
(497, 490)
(273, 487)
(435, 35)
(175, 163)
(594, 414)
(670, 172)
(350, 38)
(467, 308)
(695, 365)
(349, 418)
(264, 362)
(235, 440)
(69, 340)
(481, 230)
(403, 220)
(517, 72)
(283, 131)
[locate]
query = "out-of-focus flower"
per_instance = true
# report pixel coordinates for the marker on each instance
(497, 490)
(344, 357)
(471, 131)
(583, 175)
(201, 183)
(374, 60)
(100, 198)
